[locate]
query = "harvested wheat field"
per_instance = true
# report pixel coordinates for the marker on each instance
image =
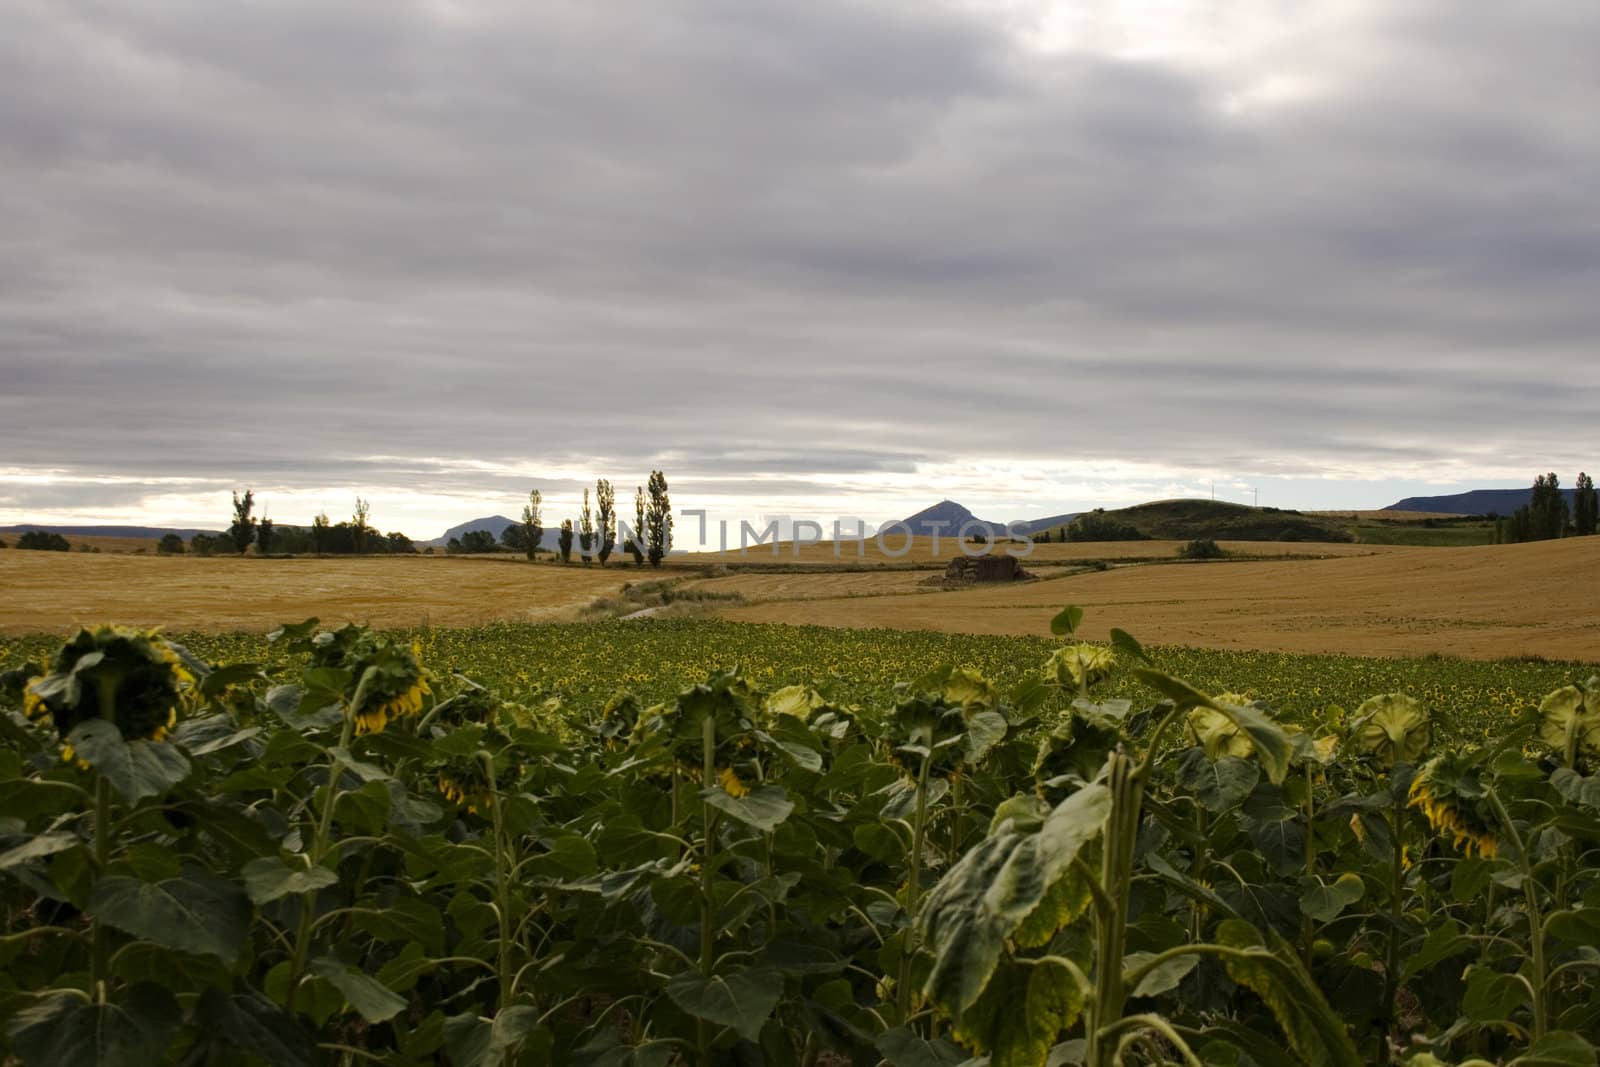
(1482, 603)
(54, 591)
(921, 552)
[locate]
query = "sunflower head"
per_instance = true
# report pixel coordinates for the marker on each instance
(1392, 728)
(799, 701)
(1218, 734)
(931, 719)
(387, 679)
(1569, 721)
(1080, 665)
(1452, 795)
(727, 703)
(134, 678)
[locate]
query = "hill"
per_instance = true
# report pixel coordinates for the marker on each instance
(1474, 502)
(141, 532)
(494, 524)
(954, 516)
(1217, 520)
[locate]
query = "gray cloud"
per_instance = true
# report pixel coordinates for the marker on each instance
(783, 246)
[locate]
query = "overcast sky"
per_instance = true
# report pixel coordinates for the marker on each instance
(810, 257)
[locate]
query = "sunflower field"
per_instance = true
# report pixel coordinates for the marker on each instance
(598, 846)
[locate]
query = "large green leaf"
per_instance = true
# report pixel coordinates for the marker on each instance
(135, 769)
(1324, 901)
(194, 912)
(268, 878)
(1492, 996)
(1217, 784)
(739, 999)
(1275, 975)
(981, 901)
(763, 808)
(1558, 1048)
(372, 999)
(250, 1023)
(1160, 979)
(64, 1030)
(904, 1047)
(473, 1041)
(1021, 1011)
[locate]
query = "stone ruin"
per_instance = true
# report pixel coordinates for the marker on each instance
(972, 570)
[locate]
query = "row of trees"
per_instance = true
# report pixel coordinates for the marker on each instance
(1547, 516)
(352, 537)
(595, 535)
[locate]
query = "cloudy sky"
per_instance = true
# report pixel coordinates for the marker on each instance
(810, 257)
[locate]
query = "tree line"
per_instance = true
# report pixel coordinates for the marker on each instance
(595, 536)
(1547, 516)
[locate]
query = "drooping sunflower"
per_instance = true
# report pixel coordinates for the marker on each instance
(387, 679)
(937, 715)
(1451, 795)
(1081, 664)
(1392, 728)
(133, 678)
(729, 704)
(1569, 721)
(1219, 735)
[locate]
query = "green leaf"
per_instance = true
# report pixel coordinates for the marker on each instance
(763, 808)
(194, 912)
(473, 1041)
(1124, 643)
(570, 856)
(268, 878)
(1443, 942)
(374, 1001)
(42, 845)
(993, 888)
(739, 999)
(135, 769)
(1162, 978)
(904, 1047)
(985, 729)
(1492, 996)
(1275, 975)
(64, 1030)
(1580, 926)
(1324, 902)
(1558, 1048)
(1273, 746)
(1021, 1012)
(250, 1023)
(1218, 785)
(1066, 621)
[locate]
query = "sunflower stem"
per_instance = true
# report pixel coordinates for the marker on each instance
(1391, 966)
(302, 941)
(1530, 889)
(708, 818)
(908, 945)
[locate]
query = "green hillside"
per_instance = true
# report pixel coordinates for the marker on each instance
(1217, 520)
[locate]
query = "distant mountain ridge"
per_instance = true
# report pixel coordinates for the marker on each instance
(106, 531)
(1473, 502)
(948, 518)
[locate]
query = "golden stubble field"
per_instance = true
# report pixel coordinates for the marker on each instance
(1487, 602)
(1483, 603)
(55, 591)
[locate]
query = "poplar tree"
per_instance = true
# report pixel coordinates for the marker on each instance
(243, 530)
(659, 518)
(532, 531)
(585, 530)
(564, 542)
(1585, 506)
(605, 500)
(637, 541)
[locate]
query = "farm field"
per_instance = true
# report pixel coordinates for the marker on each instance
(54, 591)
(1487, 602)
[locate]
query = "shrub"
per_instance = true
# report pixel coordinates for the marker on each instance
(170, 545)
(43, 541)
(1201, 549)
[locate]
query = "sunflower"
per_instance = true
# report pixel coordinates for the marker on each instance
(1218, 734)
(1569, 721)
(732, 784)
(1392, 728)
(1081, 664)
(1451, 796)
(388, 681)
(133, 678)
